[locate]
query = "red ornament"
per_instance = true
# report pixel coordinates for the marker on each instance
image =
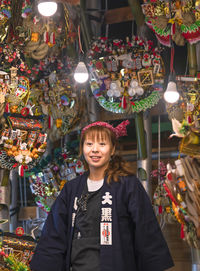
(19, 231)
(24, 111)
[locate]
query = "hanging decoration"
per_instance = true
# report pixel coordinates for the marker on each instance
(185, 116)
(61, 103)
(15, 252)
(46, 182)
(125, 77)
(181, 18)
(176, 198)
(32, 44)
(22, 141)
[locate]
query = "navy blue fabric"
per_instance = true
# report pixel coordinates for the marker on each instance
(137, 241)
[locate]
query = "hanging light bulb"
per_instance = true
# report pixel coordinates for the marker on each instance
(81, 73)
(171, 94)
(47, 8)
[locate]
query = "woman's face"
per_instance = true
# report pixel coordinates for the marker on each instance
(97, 151)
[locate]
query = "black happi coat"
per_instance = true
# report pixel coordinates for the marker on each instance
(137, 241)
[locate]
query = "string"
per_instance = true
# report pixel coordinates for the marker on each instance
(172, 60)
(159, 149)
(107, 25)
(172, 47)
(79, 40)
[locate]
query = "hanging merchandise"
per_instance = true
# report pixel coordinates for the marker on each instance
(15, 252)
(181, 18)
(22, 141)
(47, 37)
(34, 45)
(61, 103)
(177, 198)
(125, 77)
(5, 15)
(46, 182)
(185, 116)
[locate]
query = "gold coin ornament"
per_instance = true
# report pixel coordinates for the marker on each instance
(179, 19)
(125, 76)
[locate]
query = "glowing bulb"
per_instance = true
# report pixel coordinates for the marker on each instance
(81, 73)
(47, 8)
(171, 94)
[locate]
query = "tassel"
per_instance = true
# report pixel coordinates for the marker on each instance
(50, 122)
(46, 37)
(52, 38)
(7, 108)
(124, 104)
(21, 170)
(182, 231)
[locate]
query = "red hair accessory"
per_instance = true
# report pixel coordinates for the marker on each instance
(119, 131)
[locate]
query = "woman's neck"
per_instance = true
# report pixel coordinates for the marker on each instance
(96, 175)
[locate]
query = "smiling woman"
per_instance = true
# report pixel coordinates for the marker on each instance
(102, 220)
(97, 153)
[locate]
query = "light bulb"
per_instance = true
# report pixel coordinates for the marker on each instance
(171, 94)
(47, 8)
(81, 73)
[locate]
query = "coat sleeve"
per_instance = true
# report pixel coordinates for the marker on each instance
(51, 249)
(151, 249)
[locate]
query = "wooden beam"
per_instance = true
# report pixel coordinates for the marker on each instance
(72, 2)
(118, 15)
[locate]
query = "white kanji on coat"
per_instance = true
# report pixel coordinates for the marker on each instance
(106, 214)
(107, 198)
(75, 203)
(73, 219)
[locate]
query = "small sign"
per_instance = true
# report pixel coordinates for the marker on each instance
(106, 233)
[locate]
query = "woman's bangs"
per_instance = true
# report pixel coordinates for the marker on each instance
(98, 133)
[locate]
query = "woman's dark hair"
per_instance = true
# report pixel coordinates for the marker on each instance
(117, 166)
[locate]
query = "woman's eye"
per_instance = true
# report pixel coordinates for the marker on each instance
(88, 143)
(102, 143)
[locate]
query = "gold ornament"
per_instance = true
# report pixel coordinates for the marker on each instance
(35, 36)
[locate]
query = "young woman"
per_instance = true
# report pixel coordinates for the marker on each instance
(102, 220)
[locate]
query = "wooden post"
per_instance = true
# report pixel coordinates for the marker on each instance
(85, 26)
(143, 164)
(141, 143)
(137, 11)
(87, 34)
(192, 59)
(192, 63)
